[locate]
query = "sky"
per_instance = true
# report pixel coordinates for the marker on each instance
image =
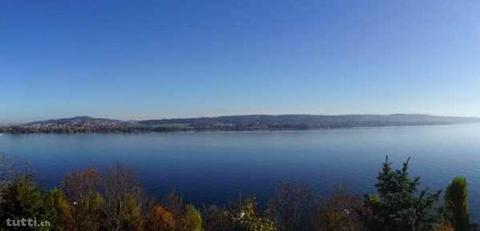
(180, 58)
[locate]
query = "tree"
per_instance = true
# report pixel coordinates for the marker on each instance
(125, 203)
(338, 213)
(247, 219)
(187, 217)
(87, 212)
(80, 184)
(399, 205)
(291, 206)
(62, 209)
(217, 218)
(9, 173)
(130, 214)
(241, 216)
(22, 199)
(456, 204)
(192, 219)
(81, 190)
(160, 219)
(174, 203)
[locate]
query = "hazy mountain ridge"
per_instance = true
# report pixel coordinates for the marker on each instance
(305, 121)
(85, 124)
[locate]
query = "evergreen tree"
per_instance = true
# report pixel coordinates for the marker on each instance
(22, 199)
(399, 205)
(456, 204)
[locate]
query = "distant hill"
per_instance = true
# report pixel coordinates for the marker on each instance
(295, 121)
(85, 124)
(80, 124)
(75, 121)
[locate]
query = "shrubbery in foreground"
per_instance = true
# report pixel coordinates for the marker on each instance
(113, 200)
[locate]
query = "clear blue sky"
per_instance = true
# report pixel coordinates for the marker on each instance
(161, 59)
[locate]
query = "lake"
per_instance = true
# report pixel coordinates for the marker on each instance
(208, 167)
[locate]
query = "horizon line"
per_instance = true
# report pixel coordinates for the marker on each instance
(229, 115)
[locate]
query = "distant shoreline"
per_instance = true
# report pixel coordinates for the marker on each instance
(86, 124)
(227, 131)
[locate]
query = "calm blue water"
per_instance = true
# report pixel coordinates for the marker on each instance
(217, 166)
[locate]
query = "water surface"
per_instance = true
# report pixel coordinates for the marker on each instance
(216, 166)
